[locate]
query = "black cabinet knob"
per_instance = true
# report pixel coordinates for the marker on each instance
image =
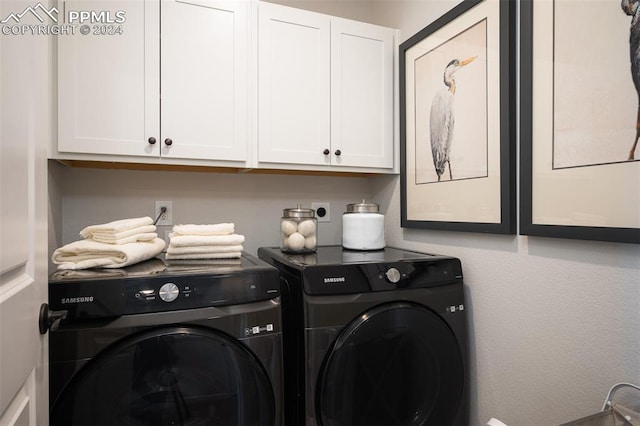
(326, 152)
(168, 142)
(338, 152)
(152, 141)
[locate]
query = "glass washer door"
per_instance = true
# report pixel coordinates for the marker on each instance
(169, 376)
(397, 364)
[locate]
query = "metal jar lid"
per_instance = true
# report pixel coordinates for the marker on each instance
(363, 208)
(298, 212)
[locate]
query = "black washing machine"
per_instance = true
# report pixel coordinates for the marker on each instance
(373, 338)
(162, 343)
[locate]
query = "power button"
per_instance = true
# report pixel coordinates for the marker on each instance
(393, 275)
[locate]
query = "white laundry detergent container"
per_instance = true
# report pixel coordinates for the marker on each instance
(363, 227)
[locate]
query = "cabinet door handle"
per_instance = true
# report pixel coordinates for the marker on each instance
(326, 152)
(338, 152)
(152, 141)
(168, 142)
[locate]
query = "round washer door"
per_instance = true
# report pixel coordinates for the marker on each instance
(169, 376)
(396, 364)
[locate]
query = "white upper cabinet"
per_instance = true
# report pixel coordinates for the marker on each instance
(361, 94)
(108, 100)
(173, 84)
(325, 91)
(204, 84)
(294, 91)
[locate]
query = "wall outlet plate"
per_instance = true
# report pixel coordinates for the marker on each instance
(323, 211)
(167, 217)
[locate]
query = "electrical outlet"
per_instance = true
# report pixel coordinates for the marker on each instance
(166, 218)
(323, 211)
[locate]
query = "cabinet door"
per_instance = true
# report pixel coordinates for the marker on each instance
(204, 80)
(108, 100)
(293, 86)
(361, 94)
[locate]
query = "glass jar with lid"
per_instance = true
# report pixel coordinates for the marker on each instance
(363, 227)
(298, 230)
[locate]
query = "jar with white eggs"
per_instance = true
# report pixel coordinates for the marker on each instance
(298, 229)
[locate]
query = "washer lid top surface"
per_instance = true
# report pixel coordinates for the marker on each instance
(336, 255)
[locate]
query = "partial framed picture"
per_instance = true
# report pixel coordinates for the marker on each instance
(457, 121)
(580, 120)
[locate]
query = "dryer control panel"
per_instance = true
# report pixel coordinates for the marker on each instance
(383, 276)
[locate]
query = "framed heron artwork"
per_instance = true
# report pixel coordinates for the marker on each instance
(580, 120)
(457, 120)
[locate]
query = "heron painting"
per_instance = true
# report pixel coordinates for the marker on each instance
(632, 8)
(442, 118)
(451, 124)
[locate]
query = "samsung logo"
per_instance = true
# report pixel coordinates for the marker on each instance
(84, 299)
(334, 280)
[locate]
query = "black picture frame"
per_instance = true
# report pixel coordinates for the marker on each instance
(529, 225)
(503, 138)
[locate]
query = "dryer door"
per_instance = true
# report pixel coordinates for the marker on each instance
(169, 376)
(396, 364)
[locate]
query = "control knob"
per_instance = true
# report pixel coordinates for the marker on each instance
(393, 275)
(169, 292)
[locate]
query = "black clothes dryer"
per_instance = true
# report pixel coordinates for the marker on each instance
(167, 344)
(376, 338)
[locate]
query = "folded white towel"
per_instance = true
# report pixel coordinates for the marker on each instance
(85, 254)
(106, 236)
(215, 229)
(205, 240)
(116, 226)
(229, 255)
(203, 249)
(147, 236)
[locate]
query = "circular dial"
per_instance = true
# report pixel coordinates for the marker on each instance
(169, 292)
(393, 275)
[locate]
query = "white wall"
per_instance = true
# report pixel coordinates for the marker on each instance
(359, 10)
(254, 202)
(553, 323)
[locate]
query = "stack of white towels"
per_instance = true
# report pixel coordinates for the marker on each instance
(216, 241)
(111, 245)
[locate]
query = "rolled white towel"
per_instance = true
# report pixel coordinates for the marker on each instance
(147, 236)
(215, 229)
(205, 240)
(230, 255)
(85, 254)
(116, 226)
(203, 249)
